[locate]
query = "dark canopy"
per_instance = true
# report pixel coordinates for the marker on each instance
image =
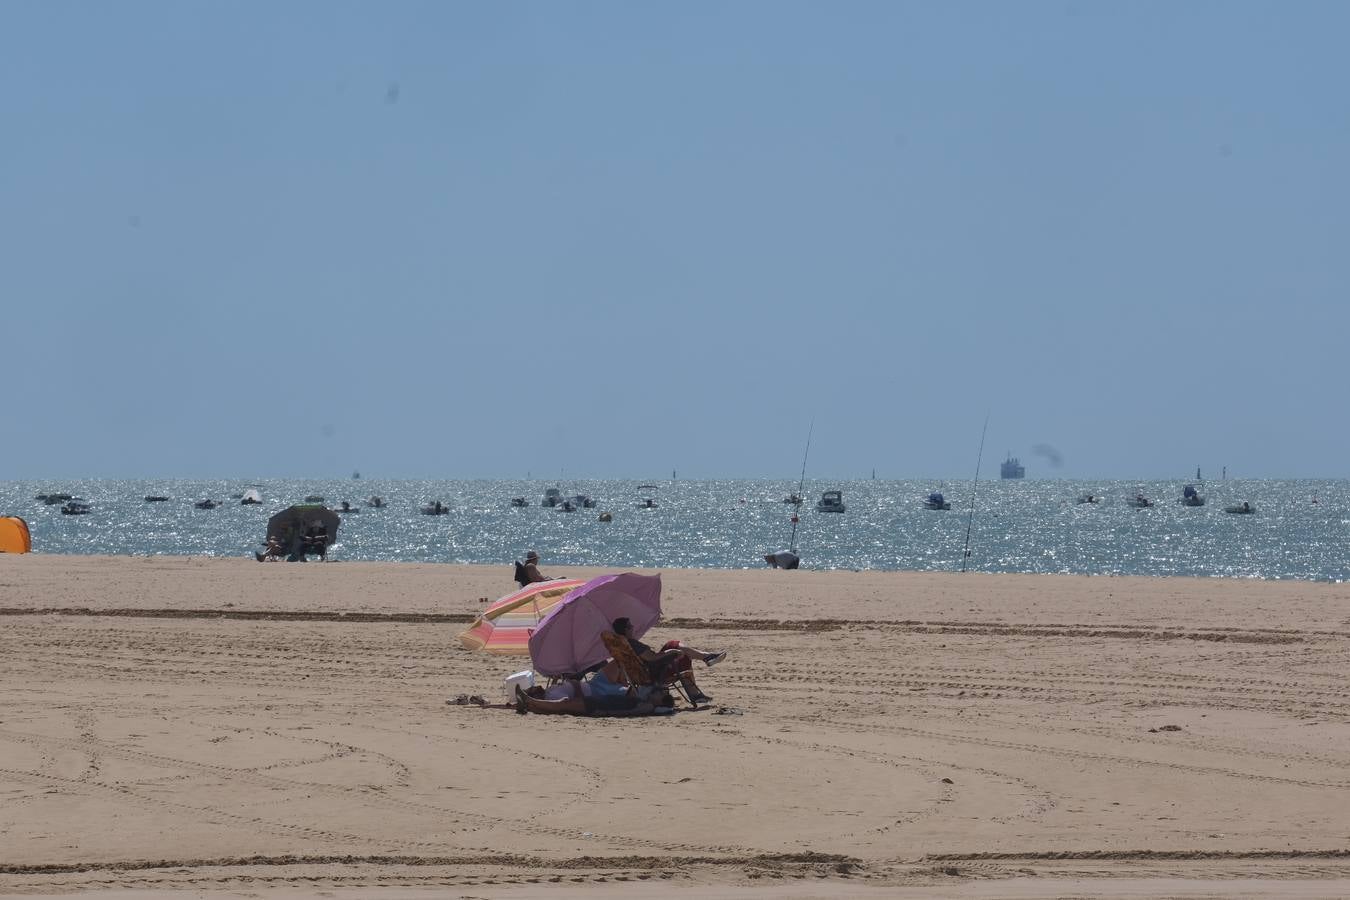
(297, 520)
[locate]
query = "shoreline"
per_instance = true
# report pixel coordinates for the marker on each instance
(244, 586)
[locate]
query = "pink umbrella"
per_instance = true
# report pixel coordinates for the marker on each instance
(505, 627)
(568, 640)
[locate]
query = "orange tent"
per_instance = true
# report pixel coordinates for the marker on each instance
(14, 536)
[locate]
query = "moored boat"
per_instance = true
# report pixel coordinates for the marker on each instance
(936, 501)
(831, 502)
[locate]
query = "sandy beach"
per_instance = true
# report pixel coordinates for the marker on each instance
(176, 727)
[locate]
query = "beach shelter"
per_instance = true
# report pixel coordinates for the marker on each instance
(504, 628)
(568, 640)
(297, 519)
(14, 536)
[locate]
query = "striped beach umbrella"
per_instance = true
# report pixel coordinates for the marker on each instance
(504, 628)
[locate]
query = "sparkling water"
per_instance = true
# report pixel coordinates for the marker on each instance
(1301, 529)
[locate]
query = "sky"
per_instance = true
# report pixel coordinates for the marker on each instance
(612, 240)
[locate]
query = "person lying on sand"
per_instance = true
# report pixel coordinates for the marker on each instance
(595, 705)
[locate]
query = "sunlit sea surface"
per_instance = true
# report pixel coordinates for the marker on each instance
(1301, 528)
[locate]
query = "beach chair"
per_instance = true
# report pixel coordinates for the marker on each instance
(636, 671)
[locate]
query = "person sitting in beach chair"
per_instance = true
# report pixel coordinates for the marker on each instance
(313, 541)
(643, 667)
(274, 550)
(527, 572)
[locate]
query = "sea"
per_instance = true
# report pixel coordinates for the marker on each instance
(1300, 528)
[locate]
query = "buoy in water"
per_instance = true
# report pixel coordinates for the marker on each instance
(606, 517)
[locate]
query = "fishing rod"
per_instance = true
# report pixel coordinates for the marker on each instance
(974, 491)
(792, 545)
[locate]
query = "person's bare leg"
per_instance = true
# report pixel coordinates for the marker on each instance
(687, 679)
(702, 655)
(572, 706)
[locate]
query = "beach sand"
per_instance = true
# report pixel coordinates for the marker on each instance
(175, 727)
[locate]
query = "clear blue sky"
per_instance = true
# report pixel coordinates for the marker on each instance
(479, 240)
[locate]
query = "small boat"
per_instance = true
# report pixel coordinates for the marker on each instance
(348, 508)
(1139, 501)
(1089, 498)
(519, 502)
(75, 507)
(936, 501)
(155, 498)
(436, 508)
(376, 502)
(356, 476)
(566, 506)
(648, 503)
(1240, 509)
(206, 504)
(794, 499)
(1190, 497)
(251, 498)
(552, 497)
(53, 499)
(314, 498)
(831, 502)
(646, 487)
(583, 501)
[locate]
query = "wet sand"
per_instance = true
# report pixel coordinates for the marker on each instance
(171, 725)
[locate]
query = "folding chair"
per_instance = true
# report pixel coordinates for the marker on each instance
(636, 671)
